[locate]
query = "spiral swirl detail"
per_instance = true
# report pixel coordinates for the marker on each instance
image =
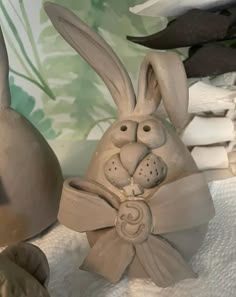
(133, 221)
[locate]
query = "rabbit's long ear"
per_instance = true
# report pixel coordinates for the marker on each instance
(97, 53)
(5, 99)
(162, 76)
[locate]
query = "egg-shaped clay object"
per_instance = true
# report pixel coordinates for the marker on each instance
(143, 203)
(30, 174)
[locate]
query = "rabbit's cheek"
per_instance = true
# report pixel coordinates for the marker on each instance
(115, 173)
(135, 166)
(151, 171)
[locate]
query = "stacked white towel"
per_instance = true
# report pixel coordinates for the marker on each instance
(211, 132)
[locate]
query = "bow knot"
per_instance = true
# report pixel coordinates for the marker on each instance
(133, 221)
(133, 229)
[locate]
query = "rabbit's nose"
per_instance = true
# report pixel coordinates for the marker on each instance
(132, 154)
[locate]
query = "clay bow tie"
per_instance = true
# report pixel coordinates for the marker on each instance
(134, 226)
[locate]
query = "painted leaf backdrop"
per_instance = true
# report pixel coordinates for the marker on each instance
(79, 91)
(22, 102)
(74, 102)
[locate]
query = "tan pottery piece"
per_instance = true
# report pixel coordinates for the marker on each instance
(30, 175)
(143, 203)
(24, 271)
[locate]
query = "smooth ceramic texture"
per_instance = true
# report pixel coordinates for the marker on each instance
(24, 271)
(199, 30)
(193, 28)
(210, 60)
(142, 180)
(173, 8)
(30, 174)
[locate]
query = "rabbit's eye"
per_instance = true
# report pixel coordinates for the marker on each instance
(123, 128)
(151, 133)
(146, 128)
(124, 133)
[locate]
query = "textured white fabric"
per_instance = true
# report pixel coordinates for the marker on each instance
(215, 261)
(205, 97)
(210, 157)
(216, 130)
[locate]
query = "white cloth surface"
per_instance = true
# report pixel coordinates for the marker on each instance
(205, 97)
(215, 261)
(212, 157)
(204, 131)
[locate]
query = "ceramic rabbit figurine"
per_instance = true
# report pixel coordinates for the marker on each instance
(24, 271)
(30, 175)
(144, 204)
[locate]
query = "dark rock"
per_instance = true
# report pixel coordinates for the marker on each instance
(194, 27)
(210, 60)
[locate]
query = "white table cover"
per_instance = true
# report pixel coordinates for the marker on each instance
(215, 261)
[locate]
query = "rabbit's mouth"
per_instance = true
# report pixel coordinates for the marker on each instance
(135, 169)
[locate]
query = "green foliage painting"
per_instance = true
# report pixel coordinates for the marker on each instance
(72, 102)
(25, 104)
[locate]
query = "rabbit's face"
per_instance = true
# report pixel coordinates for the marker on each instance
(137, 155)
(139, 152)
